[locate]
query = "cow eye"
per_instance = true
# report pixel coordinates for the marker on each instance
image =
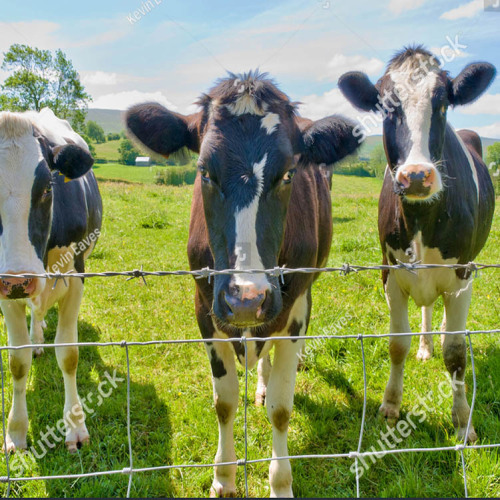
(287, 178)
(205, 175)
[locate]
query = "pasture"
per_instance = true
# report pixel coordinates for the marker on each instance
(172, 414)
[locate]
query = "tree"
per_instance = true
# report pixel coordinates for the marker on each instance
(40, 79)
(378, 161)
(113, 136)
(493, 157)
(128, 153)
(95, 132)
(92, 150)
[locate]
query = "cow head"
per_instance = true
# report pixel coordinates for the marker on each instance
(27, 164)
(413, 97)
(250, 144)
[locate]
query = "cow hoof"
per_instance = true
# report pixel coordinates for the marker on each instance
(424, 354)
(219, 490)
(260, 399)
(390, 412)
(471, 438)
(77, 438)
(13, 443)
(37, 352)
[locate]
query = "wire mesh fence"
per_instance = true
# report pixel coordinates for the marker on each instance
(356, 455)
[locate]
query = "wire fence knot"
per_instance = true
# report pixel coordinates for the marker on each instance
(241, 461)
(346, 269)
(277, 272)
(138, 273)
(460, 447)
(127, 470)
(354, 454)
(204, 272)
(123, 343)
(473, 268)
(409, 266)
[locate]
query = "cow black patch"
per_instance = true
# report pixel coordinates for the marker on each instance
(294, 329)
(218, 368)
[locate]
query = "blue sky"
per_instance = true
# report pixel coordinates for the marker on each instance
(176, 50)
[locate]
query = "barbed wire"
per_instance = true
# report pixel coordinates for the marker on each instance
(355, 455)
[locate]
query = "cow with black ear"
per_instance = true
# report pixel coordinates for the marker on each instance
(50, 219)
(436, 205)
(261, 199)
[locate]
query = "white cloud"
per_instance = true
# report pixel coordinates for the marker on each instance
(490, 131)
(340, 63)
(41, 34)
(399, 6)
(488, 104)
(467, 10)
(333, 102)
(123, 100)
(99, 78)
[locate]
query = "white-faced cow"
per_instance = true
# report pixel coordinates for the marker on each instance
(261, 199)
(46, 223)
(436, 204)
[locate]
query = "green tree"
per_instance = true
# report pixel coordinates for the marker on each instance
(39, 79)
(92, 150)
(493, 156)
(378, 161)
(128, 153)
(95, 132)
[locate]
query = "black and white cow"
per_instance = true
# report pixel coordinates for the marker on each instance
(436, 205)
(50, 217)
(261, 199)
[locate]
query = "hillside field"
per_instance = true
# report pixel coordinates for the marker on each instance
(172, 412)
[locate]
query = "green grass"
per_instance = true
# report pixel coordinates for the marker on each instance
(108, 150)
(173, 419)
(128, 174)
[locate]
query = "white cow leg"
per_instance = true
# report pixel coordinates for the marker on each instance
(19, 363)
(279, 404)
(398, 349)
(263, 371)
(455, 358)
(426, 348)
(225, 382)
(36, 333)
(67, 358)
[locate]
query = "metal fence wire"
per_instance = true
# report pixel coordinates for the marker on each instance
(356, 455)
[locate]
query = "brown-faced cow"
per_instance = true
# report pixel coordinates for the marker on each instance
(46, 223)
(261, 199)
(436, 204)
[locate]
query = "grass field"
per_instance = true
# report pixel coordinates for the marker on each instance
(173, 419)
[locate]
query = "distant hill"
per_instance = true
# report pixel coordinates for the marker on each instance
(111, 120)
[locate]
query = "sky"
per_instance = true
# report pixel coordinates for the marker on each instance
(133, 50)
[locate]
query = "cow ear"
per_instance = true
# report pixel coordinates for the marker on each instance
(472, 81)
(71, 160)
(162, 131)
(359, 90)
(329, 140)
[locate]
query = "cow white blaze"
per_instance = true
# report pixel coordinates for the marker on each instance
(247, 252)
(414, 89)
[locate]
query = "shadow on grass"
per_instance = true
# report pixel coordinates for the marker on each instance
(106, 421)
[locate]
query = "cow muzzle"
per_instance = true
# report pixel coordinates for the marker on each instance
(19, 288)
(247, 304)
(417, 182)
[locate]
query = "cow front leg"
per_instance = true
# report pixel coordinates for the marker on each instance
(19, 364)
(279, 402)
(36, 333)
(455, 358)
(426, 348)
(263, 371)
(399, 347)
(225, 383)
(67, 359)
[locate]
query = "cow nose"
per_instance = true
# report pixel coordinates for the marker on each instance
(246, 304)
(416, 179)
(17, 288)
